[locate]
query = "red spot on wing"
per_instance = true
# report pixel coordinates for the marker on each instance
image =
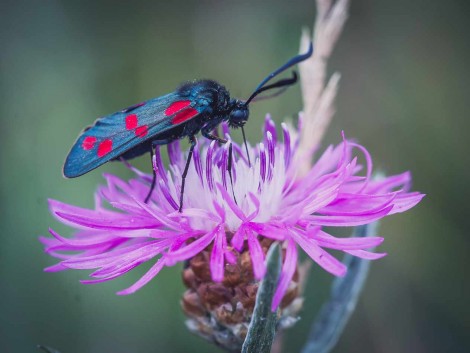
(141, 131)
(176, 107)
(104, 147)
(183, 116)
(131, 121)
(88, 143)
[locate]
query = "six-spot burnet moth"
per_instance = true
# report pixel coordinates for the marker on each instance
(195, 106)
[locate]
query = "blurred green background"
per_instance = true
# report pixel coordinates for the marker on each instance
(404, 94)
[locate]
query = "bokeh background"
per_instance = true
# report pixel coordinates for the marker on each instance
(404, 94)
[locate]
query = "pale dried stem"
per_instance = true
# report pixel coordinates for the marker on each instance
(318, 96)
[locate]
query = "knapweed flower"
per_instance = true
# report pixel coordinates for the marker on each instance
(227, 223)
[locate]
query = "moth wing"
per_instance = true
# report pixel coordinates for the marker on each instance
(113, 135)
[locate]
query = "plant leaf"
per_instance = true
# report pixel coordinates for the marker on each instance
(334, 315)
(262, 327)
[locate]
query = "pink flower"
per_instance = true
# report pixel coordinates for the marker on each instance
(267, 200)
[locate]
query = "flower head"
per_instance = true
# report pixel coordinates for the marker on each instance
(264, 200)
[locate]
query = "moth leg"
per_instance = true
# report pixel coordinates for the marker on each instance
(206, 131)
(154, 177)
(155, 143)
(192, 139)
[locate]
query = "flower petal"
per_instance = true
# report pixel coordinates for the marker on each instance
(320, 256)
(367, 255)
(230, 202)
(257, 255)
(190, 250)
(287, 272)
(217, 256)
(145, 278)
(352, 243)
(347, 220)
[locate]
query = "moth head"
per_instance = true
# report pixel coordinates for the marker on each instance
(239, 114)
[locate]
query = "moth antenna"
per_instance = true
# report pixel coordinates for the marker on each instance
(295, 60)
(284, 83)
(272, 95)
